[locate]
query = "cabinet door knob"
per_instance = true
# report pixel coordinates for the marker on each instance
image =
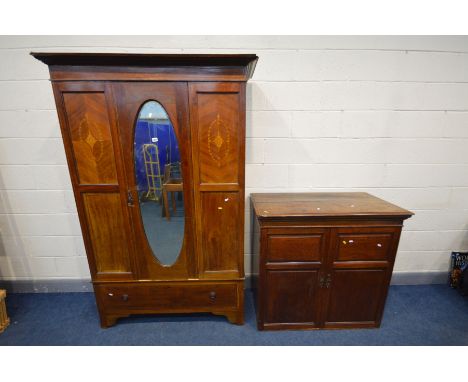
(322, 281)
(325, 281)
(125, 297)
(212, 296)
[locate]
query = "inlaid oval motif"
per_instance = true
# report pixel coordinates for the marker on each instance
(218, 140)
(159, 182)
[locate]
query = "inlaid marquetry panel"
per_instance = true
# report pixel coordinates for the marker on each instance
(107, 232)
(217, 135)
(89, 128)
(220, 239)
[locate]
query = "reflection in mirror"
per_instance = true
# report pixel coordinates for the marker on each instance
(159, 182)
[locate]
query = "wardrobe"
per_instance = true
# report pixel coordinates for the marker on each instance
(155, 146)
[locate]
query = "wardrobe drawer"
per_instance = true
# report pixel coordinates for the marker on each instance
(170, 297)
(361, 244)
(296, 245)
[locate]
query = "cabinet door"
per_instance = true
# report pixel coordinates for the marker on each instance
(217, 119)
(88, 124)
(356, 297)
(292, 298)
(359, 269)
(291, 273)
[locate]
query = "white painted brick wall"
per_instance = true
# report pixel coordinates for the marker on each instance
(385, 115)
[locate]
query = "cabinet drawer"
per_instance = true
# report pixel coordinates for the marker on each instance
(361, 244)
(161, 297)
(296, 245)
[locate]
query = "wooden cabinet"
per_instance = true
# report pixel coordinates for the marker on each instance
(138, 130)
(324, 259)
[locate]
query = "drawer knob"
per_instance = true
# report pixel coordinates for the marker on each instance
(379, 245)
(125, 297)
(212, 296)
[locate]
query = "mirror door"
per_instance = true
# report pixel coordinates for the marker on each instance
(155, 138)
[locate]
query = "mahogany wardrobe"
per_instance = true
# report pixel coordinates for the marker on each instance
(155, 146)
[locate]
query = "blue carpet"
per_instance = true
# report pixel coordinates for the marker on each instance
(414, 315)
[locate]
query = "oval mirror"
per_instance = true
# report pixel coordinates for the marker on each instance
(159, 182)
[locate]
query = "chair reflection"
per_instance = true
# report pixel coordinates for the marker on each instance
(172, 184)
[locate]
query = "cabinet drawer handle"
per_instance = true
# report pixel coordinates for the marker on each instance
(212, 296)
(379, 245)
(125, 297)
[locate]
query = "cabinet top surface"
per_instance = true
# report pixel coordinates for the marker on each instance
(323, 204)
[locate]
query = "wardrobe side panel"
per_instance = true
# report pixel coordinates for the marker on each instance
(91, 141)
(107, 232)
(91, 137)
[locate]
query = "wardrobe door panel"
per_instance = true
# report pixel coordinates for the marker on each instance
(220, 217)
(91, 137)
(217, 120)
(161, 231)
(107, 232)
(218, 141)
